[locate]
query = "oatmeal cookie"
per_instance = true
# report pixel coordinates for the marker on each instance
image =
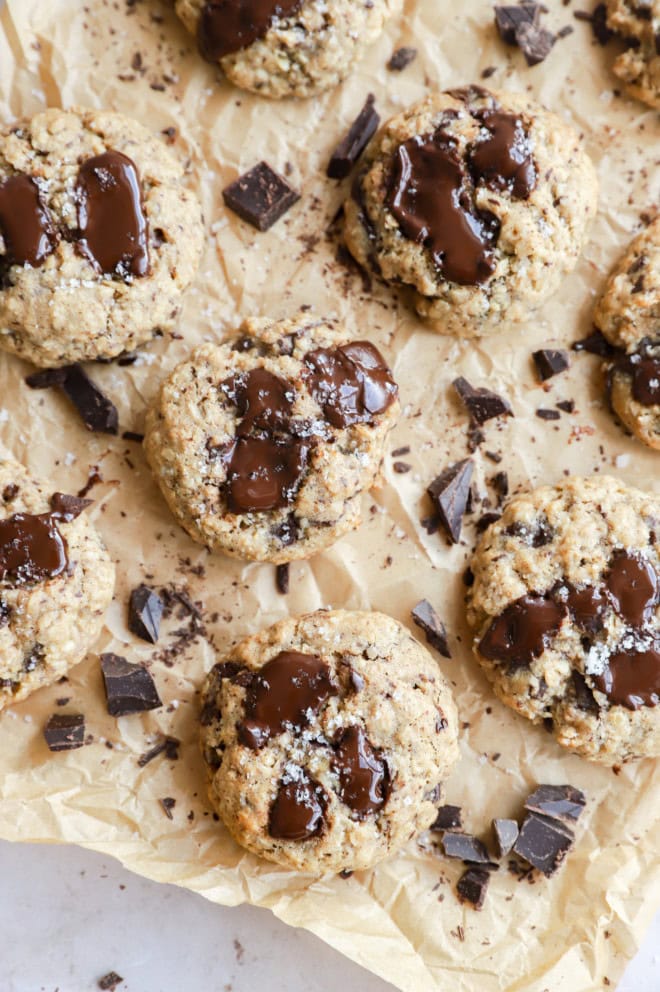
(479, 202)
(263, 445)
(326, 738)
(98, 237)
(628, 314)
(56, 581)
(289, 47)
(638, 23)
(565, 608)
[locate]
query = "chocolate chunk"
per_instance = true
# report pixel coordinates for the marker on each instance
(586, 605)
(298, 811)
(506, 835)
(544, 414)
(31, 548)
(448, 818)
(550, 362)
(598, 20)
(282, 578)
(466, 847)
(401, 58)
(168, 804)
(352, 383)
(65, 731)
(522, 632)
(113, 228)
(543, 843)
(559, 802)
(482, 404)
(509, 18)
(634, 586)
(128, 688)
(568, 406)
(264, 400)
(503, 160)
(264, 473)
(535, 42)
(99, 414)
(169, 746)
(472, 886)
(25, 224)
(260, 197)
(353, 144)
(436, 635)
(596, 344)
(632, 678)
(110, 981)
(286, 692)
(449, 493)
(363, 774)
(431, 196)
(145, 611)
(226, 27)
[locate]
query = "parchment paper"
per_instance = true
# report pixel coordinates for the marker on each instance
(402, 920)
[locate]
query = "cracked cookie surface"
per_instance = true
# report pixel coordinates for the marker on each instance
(565, 609)
(326, 737)
(479, 202)
(264, 445)
(628, 314)
(56, 581)
(292, 48)
(98, 236)
(638, 23)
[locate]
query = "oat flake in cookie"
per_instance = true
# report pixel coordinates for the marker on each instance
(479, 202)
(264, 445)
(281, 48)
(98, 236)
(628, 314)
(325, 738)
(565, 609)
(56, 581)
(638, 23)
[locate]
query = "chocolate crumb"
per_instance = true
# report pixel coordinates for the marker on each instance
(506, 835)
(489, 71)
(133, 436)
(425, 617)
(543, 414)
(398, 452)
(110, 981)
(260, 196)
(401, 59)
(568, 406)
(282, 578)
(401, 467)
(168, 805)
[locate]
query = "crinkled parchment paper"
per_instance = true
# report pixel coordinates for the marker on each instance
(402, 920)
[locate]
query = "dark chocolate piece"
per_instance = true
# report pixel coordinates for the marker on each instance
(535, 42)
(545, 414)
(509, 18)
(352, 383)
(128, 688)
(448, 818)
(298, 811)
(65, 731)
(506, 835)
(145, 611)
(99, 414)
(353, 144)
(110, 981)
(113, 230)
(634, 586)
(482, 404)
(472, 886)
(550, 362)
(559, 802)
(227, 26)
(521, 633)
(449, 493)
(543, 843)
(568, 406)
(436, 635)
(25, 223)
(282, 578)
(596, 344)
(363, 774)
(260, 196)
(286, 692)
(466, 847)
(168, 804)
(401, 58)
(632, 678)
(598, 20)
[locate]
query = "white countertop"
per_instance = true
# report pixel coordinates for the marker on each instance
(68, 917)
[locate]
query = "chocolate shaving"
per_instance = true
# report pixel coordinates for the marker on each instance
(145, 611)
(449, 492)
(65, 731)
(168, 746)
(482, 404)
(260, 196)
(350, 148)
(425, 617)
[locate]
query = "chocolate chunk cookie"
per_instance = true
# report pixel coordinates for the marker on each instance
(98, 236)
(281, 48)
(638, 23)
(565, 609)
(628, 314)
(56, 581)
(263, 445)
(479, 202)
(325, 737)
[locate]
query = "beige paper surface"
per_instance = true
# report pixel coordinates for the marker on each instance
(402, 920)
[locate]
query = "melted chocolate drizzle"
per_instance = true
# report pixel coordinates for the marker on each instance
(227, 26)
(352, 383)
(363, 775)
(25, 224)
(522, 632)
(113, 229)
(287, 692)
(632, 678)
(298, 811)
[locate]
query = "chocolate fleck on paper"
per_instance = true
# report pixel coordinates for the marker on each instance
(390, 919)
